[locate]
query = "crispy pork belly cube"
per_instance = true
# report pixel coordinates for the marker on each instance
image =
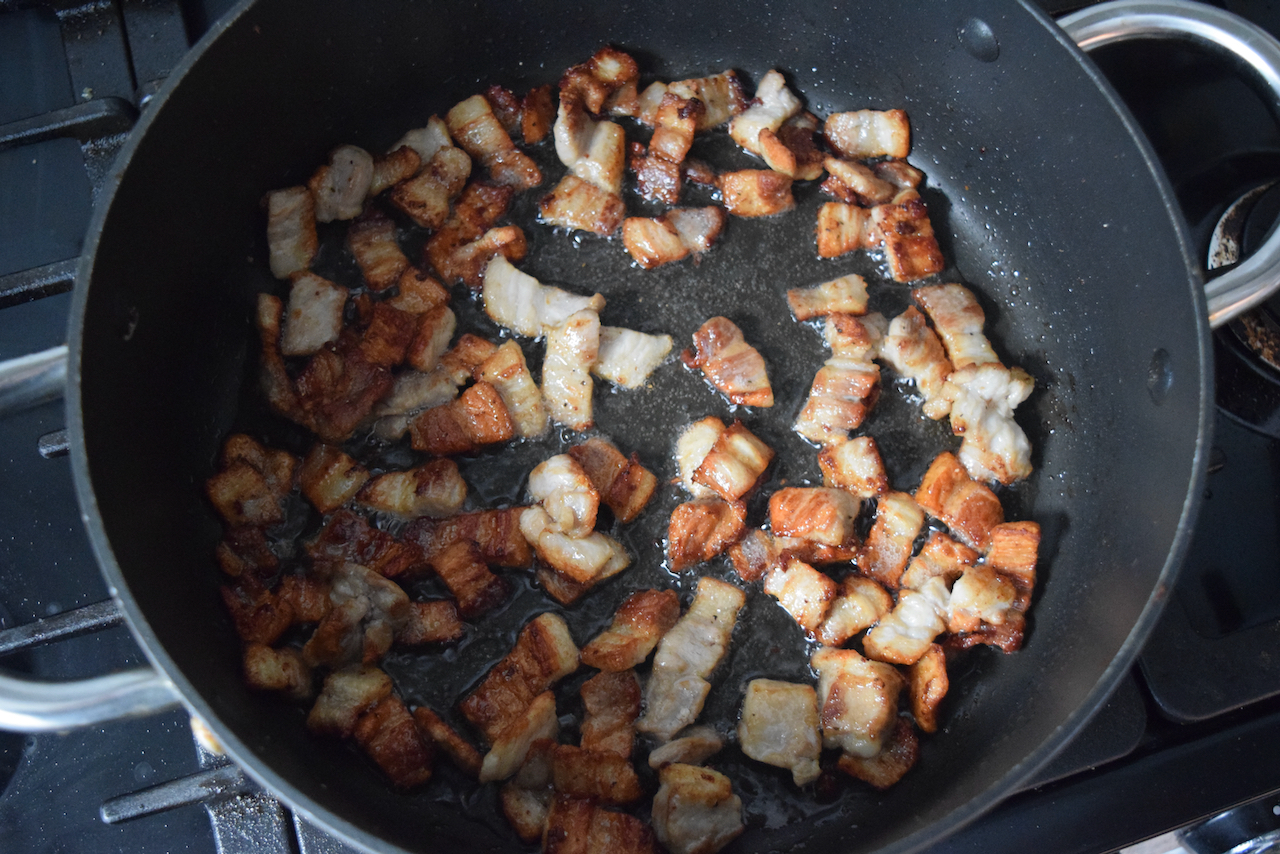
(856, 183)
(253, 482)
(611, 703)
(561, 587)
(307, 595)
(674, 127)
(755, 554)
(625, 101)
(983, 397)
(475, 211)
(435, 621)
(803, 592)
(845, 295)
(577, 826)
(509, 747)
(820, 514)
(623, 484)
(537, 112)
(418, 292)
(734, 464)
(970, 509)
(638, 624)
(779, 727)
(941, 556)
(462, 362)
(425, 197)
(859, 606)
(652, 242)
(339, 387)
(434, 329)
(469, 580)
(244, 549)
(505, 106)
(692, 447)
(387, 338)
(910, 246)
(843, 229)
(495, 533)
(695, 810)
(701, 529)
(884, 555)
(582, 206)
(593, 81)
(340, 187)
(773, 104)
(524, 305)
(567, 386)
(427, 140)
(507, 371)
(361, 626)
(346, 695)
(723, 95)
(314, 316)
(628, 357)
(259, 616)
(283, 670)
(348, 537)
(411, 393)
(526, 797)
(477, 418)
(858, 699)
(467, 263)
(588, 559)
(927, 684)
(981, 595)
(477, 131)
(686, 657)
(1013, 554)
(291, 231)
(854, 466)
(603, 777)
(695, 746)
(567, 495)
(958, 319)
(391, 737)
(860, 134)
(595, 151)
(915, 352)
(907, 632)
(399, 164)
(329, 477)
(729, 363)
(459, 751)
(847, 386)
(891, 763)
(543, 654)
(792, 149)
(698, 228)
(432, 489)
(656, 177)
(756, 192)
(899, 173)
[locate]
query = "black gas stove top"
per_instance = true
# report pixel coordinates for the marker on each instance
(1193, 731)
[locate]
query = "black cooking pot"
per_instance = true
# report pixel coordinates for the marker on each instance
(1046, 199)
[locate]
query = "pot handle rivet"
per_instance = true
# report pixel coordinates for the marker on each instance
(978, 40)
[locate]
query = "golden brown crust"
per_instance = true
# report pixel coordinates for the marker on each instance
(970, 509)
(476, 588)
(700, 530)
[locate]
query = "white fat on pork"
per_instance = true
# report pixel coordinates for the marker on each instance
(507, 371)
(854, 466)
(427, 140)
(511, 746)
(340, 187)
(563, 489)
(291, 231)
(858, 699)
(686, 657)
(695, 745)
(586, 560)
(983, 398)
(860, 134)
(846, 386)
(722, 94)
(980, 595)
(695, 810)
(779, 726)
(593, 150)
(313, 316)
(958, 319)
(692, 447)
(628, 357)
(774, 104)
(572, 348)
(367, 610)
(524, 305)
(411, 393)
(906, 632)
(915, 352)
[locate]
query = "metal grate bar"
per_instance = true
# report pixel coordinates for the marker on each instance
(90, 618)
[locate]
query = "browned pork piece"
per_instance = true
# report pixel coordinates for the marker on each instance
(527, 307)
(845, 295)
(329, 477)
(595, 151)
(507, 371)
(468, 578)
(598, 79)
(459, 751)
(314, 314)
(347, 694)
(567, 495)
(888, 766)
(658, 172)
(495, 533)
(940, 556)
(336, 390)
(958, 319)
(581, 562)
(860, 604)
(581, 205)
(792, 149)
(427, 140)
(779, 726)
(543, 654)
(854, 466)
(392, 738)
(537, 112)
(844, 228)
(983, 397)
(758, 551)
(623, 484)
(915, 352)
(639, 623)
(773, 104)
(462, 362)
(884, 555)
(1014, 547)
(347, 537)
(722, 94)
(477, 418)
(802, 591)
(468, 239)
(252, 483)
(505, 106)
(861, 134)
(244, 549)
(729, 363)
(361, 626)
(602, 776)
(611, 704)
(386, 339)
(910, 246)
(425, 198)
(307, 595)
(989, 601)
(393, 167)
(701, 529)
(695, 746)
(924, 602)
(578, 826)
(340, 187)
(526, 797)
(858, 699)
(509, 748)
(628, 357)
(692, 446)
(927, 684)
(847, 386)
(981, 596)
(756, 192)
(734, 463)
(695, 810)
(572, 348)
(411, 393)
(433, 621)
(899, 173)
(968, 508)
(418, 292)
(434, 488)
(372, 240)
(282, 670)
(672, 236)
(291, 231)
(686, 657)
(856, 183)
(820, 514)
(258, 614)
(560, 527)
(478, 132)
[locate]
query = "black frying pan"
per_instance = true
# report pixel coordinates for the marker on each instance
(1046, 203)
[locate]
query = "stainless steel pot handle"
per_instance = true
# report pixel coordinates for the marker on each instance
(30, 706)
(1256, 278)
(32, 380)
